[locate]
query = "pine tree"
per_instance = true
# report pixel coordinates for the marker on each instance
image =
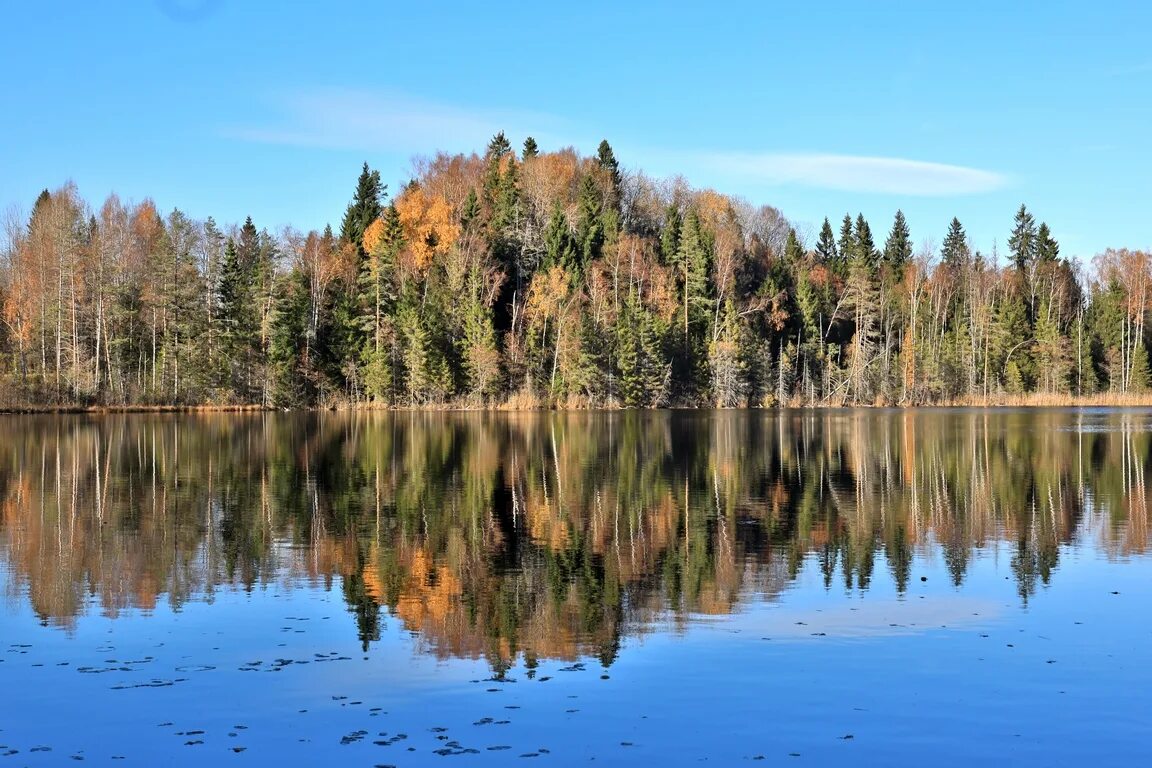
(530, 149)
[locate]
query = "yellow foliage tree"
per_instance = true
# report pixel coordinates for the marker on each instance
(429, 225)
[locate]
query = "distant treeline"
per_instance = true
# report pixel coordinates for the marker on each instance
(551, 279)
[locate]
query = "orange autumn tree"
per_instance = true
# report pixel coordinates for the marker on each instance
(430, 229)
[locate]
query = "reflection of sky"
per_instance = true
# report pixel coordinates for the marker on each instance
(966, 674)
(869, 618)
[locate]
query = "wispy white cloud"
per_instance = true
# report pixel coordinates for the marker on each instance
(371, 120)
(853, 173)
(388, 121)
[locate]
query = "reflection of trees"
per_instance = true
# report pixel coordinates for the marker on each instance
(548, 535)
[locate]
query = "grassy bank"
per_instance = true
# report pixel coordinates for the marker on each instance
(48, 409)
(522, 403)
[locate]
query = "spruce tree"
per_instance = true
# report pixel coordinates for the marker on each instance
(500, 210)
(377, 303)
(499, 147)
(530, 148)
(589, 227)
(479, 353)
(291, 380)
(470, 213)
(898, 246)
(606, 159)
(248, 246)
(559, 247)
(238, 325)
(865, 245)
(793, 251)
(1022, 242)
(1047, 249)
(506, 206)
(641, 366)
(693, 265)
(232, 287)
(954, 250)
(826, 251)
(365, 208)
(416, 351)
(846, 247)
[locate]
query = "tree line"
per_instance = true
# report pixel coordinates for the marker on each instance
(551, 279)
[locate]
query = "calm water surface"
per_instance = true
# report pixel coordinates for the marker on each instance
(880, 588)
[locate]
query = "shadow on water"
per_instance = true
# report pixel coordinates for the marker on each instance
(550, 535)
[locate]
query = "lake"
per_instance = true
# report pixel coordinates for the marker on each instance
(879, 587)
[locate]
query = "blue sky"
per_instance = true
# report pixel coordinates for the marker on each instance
(230, 108)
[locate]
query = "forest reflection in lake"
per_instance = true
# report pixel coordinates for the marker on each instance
(515, 540)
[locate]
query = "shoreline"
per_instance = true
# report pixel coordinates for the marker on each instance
(1025, 401)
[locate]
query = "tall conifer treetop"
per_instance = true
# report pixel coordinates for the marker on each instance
(1047, 249)
(865, 245)
(365, 207)
(1022, 241)
(499, 146)
(826, 246)
(846, 246)
(898, 246)
(955, 247)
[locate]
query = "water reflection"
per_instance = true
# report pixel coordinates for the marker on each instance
(550, 535)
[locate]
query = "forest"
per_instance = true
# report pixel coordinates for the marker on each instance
(533, 279)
